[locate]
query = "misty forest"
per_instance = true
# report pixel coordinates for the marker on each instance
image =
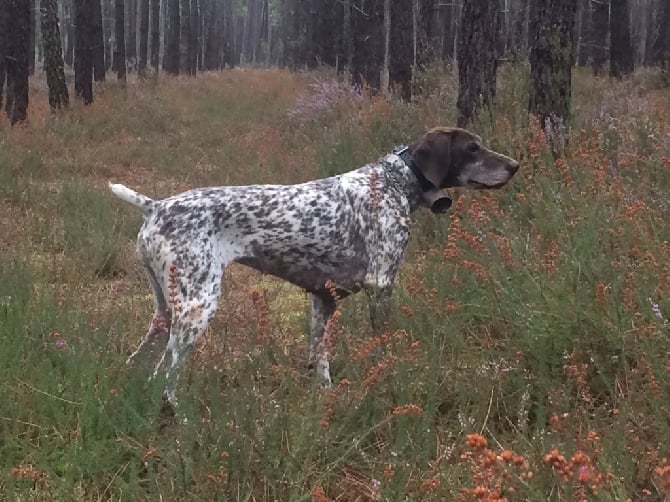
(525, 352)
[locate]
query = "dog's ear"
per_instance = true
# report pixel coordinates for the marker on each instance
(432, 155)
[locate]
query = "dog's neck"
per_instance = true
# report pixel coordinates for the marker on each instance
(431, 196)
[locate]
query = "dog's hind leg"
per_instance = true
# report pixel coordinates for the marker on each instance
(323, 308)
(199, 290)
(159, 328)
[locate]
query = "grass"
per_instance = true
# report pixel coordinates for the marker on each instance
(528, 356)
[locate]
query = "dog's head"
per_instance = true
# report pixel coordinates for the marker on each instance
(452, 157)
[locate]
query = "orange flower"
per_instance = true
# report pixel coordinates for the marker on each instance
(318, 495)
(476, 441)
(407, 409)
(430, 485)
(451, 306)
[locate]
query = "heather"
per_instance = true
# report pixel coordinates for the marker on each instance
(528, 354)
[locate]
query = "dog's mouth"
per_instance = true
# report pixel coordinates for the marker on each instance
(483, 186)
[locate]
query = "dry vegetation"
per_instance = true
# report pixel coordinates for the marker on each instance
(529, 355)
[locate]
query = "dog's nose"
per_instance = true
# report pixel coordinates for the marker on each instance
(513, 167)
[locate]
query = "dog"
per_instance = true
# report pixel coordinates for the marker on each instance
(331, 237)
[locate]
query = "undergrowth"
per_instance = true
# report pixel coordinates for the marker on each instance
(527, 358)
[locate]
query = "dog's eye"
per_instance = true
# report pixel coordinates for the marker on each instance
(473, 148)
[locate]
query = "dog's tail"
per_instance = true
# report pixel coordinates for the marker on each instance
(131, 196)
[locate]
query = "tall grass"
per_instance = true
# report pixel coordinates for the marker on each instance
(527, 357)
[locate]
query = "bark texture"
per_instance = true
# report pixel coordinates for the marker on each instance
(552, 55)
(621, 50)
(53, 56)
(477, 58)
(16, 59)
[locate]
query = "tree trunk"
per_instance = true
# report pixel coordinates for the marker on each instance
(384, 77)
(68, 7)
(4, 47)
(583, 32)
(552, 24)
(194, 33)
(17, 56)
(33, 37)
(155, 34)
(97, 41)
(256, 30)
(83, 52)
(520, 30)
(120, 40)
(131, 33)
(367, 27)
(424, 44)
(143, 30)
(659, 52)
(211, 37)
(270, 46)
(108, 32)
(347, 38)
(53, 56)
(600, 18)
(621, 51)
(173, 43)
(402, 46)
(164, 27)
(245, 32)
(184, 36)
(477, 58)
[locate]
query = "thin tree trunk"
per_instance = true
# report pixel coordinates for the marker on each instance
(401, 46)
(17, 57)
(143, 32)
(600, 17)
(415, 31)
(552, 27)
(155, 34)
(120, 40)
(69, 31)
(621, 51)
(53, 56)
(211, 37)
(269, 35)
(173, 44)
(131, 33)
(194, 37)
(348, 38)
(477, 58)
(4, 48)
(33, 37)
(184, 36)
(521, 28)
(164, 26)
(384, 77)
(659, 50)
(83, 57)
(97, 41)
(424, 45)
(245, 33)
(108, 32)
(582, 31)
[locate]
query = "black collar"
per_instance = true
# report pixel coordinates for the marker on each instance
(403, 152)
(437, 204)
